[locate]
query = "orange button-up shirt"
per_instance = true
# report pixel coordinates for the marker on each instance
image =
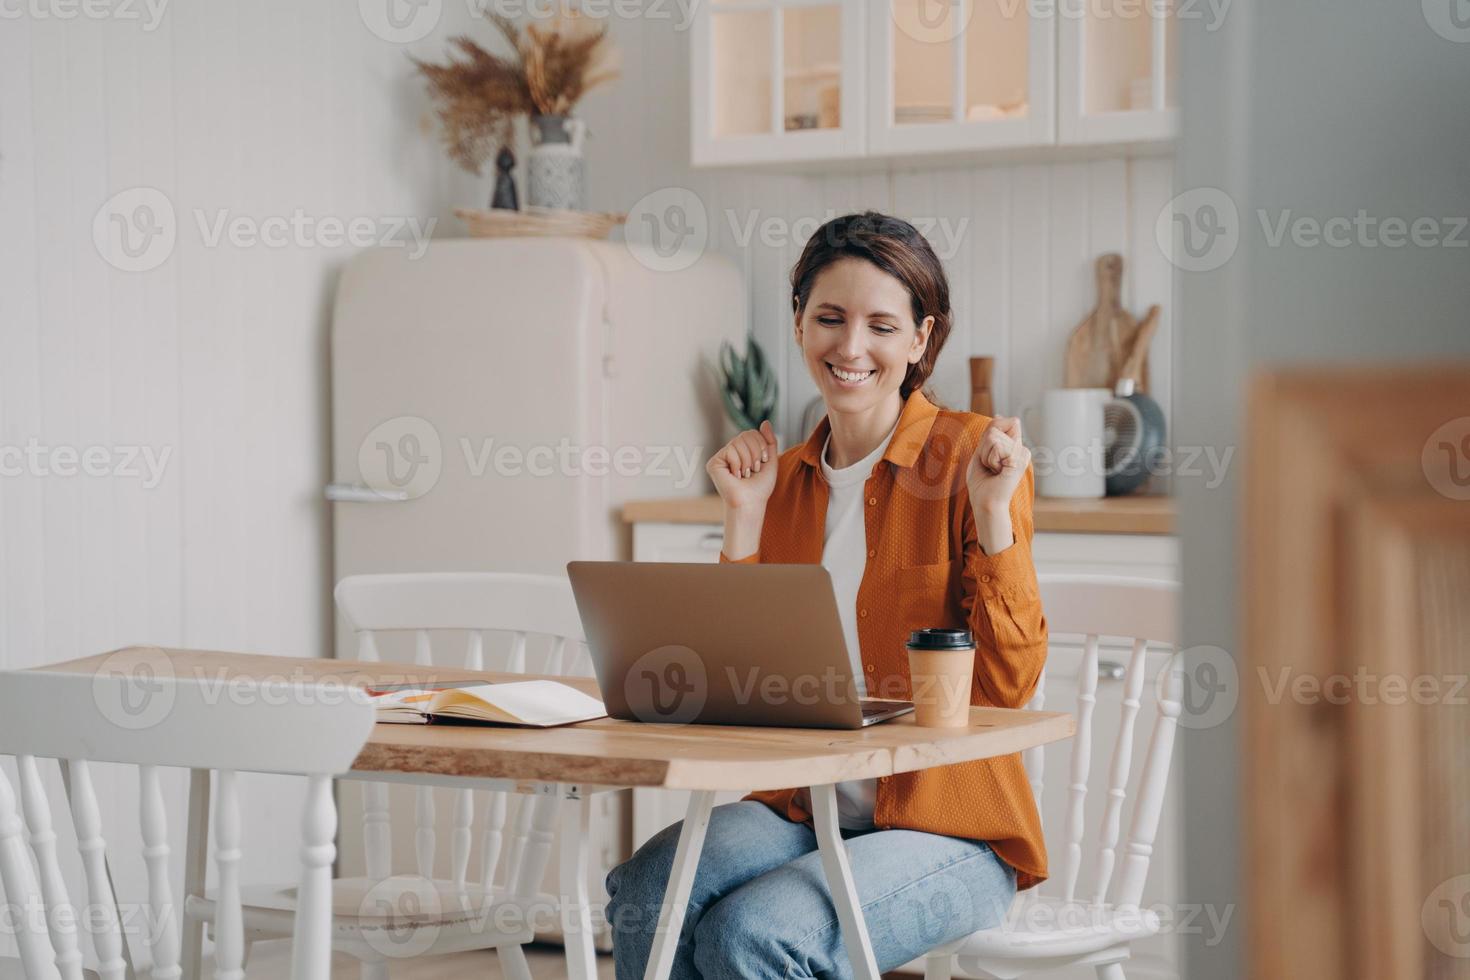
(925, 569)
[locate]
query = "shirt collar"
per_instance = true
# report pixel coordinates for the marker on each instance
(915, 420)
(854, 472)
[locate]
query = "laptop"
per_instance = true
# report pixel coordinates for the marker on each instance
(721, 644)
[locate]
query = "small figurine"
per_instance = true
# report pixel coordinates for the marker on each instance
(505, 185)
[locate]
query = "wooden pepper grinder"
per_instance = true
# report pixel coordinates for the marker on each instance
(982, 369)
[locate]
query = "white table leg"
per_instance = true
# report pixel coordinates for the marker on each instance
(576, 903)
(681, 881)
(839, 880)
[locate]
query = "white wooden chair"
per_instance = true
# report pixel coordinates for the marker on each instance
(1062, 924)
(432, 915)
(82, 719)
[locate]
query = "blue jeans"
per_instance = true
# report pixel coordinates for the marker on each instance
(760, 907)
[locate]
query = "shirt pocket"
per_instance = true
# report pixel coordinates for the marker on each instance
(924, 593)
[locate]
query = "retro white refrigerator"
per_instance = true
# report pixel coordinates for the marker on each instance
(494, 402)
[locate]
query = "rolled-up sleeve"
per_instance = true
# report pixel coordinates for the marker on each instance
(1003, 606)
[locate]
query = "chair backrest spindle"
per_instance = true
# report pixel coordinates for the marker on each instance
(88, 718)
(517, 664)
(476, 602)
(311, 955)
(153, 818)
(557, 664)
(367, 647)
(459, 845)
(377, 830)
(1081, 765)
(1150, 804)
(229, 931)
(37, 955)
(1034, 759)
(493, 838)
(107, 928)
(1122, 763)
(424, 811)
(1142, 612)
(62, 915)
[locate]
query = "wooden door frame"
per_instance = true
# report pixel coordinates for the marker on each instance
(1336, 495)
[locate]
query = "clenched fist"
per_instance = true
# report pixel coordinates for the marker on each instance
(997, 467)
(744, 470)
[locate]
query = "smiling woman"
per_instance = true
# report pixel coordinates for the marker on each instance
(922, 517)
(867, 278)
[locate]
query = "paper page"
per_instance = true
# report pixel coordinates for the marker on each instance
(534, 702)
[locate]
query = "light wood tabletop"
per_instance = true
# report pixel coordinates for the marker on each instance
(605, 751)
(1137, 514)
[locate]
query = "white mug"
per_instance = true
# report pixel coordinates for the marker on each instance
(1068, 443)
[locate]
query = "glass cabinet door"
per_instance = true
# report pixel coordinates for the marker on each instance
(776, 80)
(959, 74)
(1118, 71)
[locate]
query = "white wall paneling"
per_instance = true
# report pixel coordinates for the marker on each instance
(216, 357)
(1018, 241)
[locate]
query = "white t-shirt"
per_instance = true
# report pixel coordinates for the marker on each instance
(845, 556)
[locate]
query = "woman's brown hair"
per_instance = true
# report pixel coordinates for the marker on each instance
(896, 247)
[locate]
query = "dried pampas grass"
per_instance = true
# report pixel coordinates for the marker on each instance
(555, 63)
(565, 59)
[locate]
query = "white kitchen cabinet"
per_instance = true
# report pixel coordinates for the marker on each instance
(656, 541)
(1135, 555)
(776, 80)
(1117, 67)
(977, 74)
(796, 81)
(1131, 555)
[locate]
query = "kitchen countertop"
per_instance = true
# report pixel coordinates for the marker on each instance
(1142, 514)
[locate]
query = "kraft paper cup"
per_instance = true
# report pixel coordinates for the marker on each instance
(941, 664)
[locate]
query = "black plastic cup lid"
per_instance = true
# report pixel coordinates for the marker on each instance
(938, 639)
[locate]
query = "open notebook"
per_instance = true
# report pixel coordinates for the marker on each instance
(538, 703)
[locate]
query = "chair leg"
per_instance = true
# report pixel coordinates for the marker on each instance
(374, 970)
(513, 965)
(196, 861)
(937, 966)
(1110, 971)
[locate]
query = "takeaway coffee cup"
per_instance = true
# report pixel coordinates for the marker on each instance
(941, 663)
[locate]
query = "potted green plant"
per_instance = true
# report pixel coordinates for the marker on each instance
(748, 386)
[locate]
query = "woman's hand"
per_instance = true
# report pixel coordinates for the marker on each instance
(994, 473)
(744, 470)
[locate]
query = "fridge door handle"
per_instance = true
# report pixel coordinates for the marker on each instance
(357, 493)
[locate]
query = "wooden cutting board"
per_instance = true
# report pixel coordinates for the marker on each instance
(1109, 343)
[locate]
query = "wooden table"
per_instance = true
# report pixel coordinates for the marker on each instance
(613, 754)
(1135, 514)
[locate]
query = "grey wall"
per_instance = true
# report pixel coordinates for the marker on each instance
(1324, 109)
